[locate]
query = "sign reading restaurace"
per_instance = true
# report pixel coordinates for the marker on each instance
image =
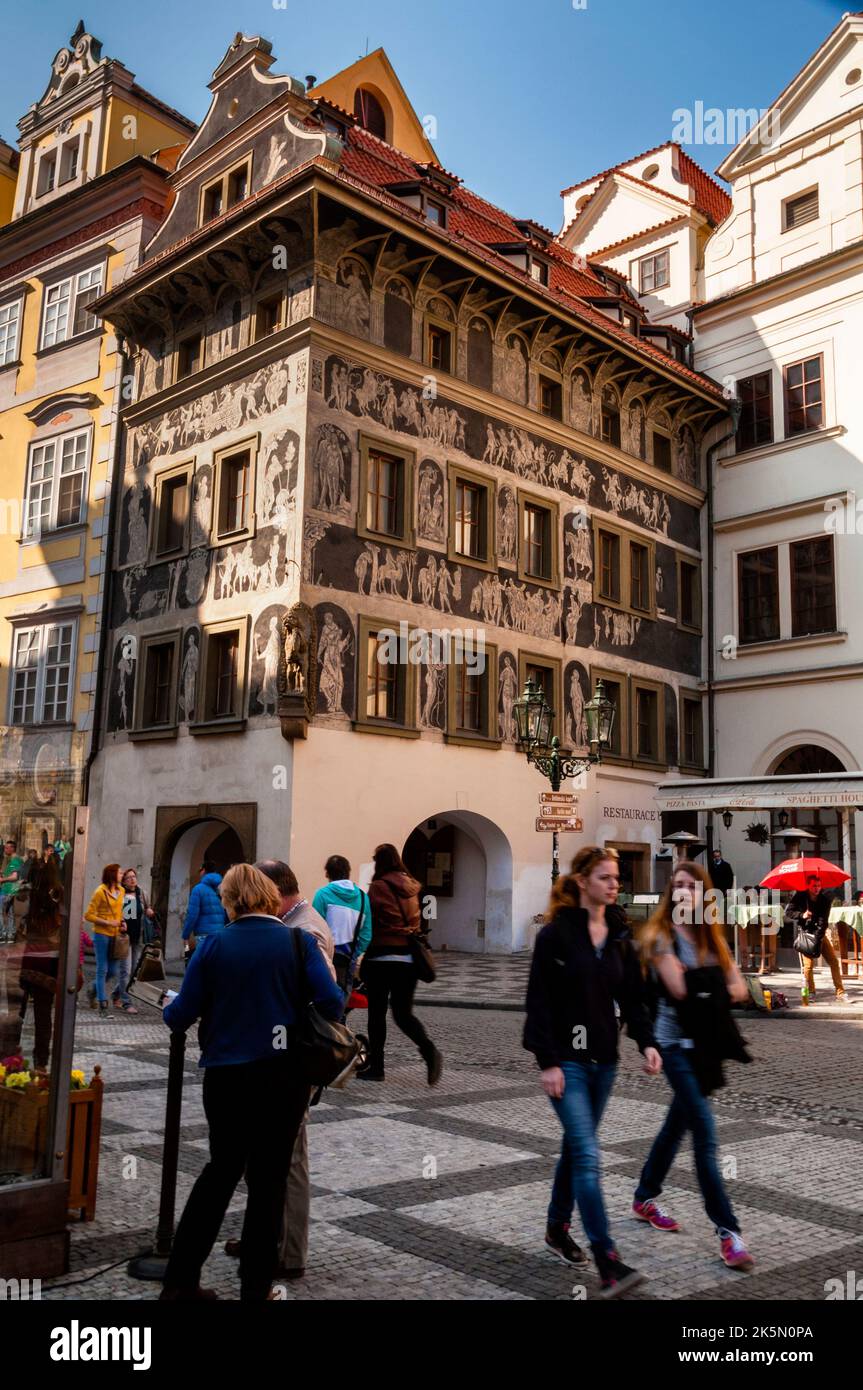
(557, 799)
(563, 824)
(628, 813)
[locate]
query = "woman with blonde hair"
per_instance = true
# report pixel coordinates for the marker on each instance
(683, 949)
(584, 971)
(244, 985)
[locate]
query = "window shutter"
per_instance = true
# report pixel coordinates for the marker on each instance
(801, 210)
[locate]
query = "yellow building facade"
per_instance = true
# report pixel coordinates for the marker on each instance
(79, 200)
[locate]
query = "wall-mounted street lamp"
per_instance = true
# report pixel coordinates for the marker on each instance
(783, 819)
(535, 720)
(727, 818)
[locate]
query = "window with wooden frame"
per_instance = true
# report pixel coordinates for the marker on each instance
(158, 672)
(170, 528)
(647, 721)
(538, 561)
(65, 312)
(813, 586)
(386, 492)
(625, 572)
(691, 751)
(800, 209)
(439, 346)
(10, 331)
(609, 424)
(617, 691)
(538, 270)
(233, 511)
(758, 595)
(269, 315)
(69, 161)
(546, 672)
(41, 673)
(550, 397)
(755, 394)
(804, 395)
(472, 716)
(229, 188)
(190, 355)
(56, 482)
(47, 175)
(386, 680)
(434, 211)
(688, 594)
(221, 701)
(471, 518)
(653, 271)
(661, 450)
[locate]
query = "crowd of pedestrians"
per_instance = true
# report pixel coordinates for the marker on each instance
(250, 983)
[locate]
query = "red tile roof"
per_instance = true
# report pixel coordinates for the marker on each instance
(708, 196)
(368, 160)
(645, 231)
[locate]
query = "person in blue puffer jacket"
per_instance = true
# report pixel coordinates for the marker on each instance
(205, 913)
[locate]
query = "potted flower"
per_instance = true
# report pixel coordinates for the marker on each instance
(24, 1097)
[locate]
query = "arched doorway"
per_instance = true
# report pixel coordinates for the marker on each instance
(185, 836)
(464, 862)
(807, 760)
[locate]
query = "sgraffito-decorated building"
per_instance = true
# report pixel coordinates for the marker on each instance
(368, 402)
(79, 200)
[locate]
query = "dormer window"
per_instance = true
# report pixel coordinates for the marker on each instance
(238, 185)
(435, 212)
(538, 271)
(630, 323)
(653, 272)
(213, 201)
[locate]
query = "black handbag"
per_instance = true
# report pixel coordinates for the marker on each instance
(807, 940)
(421, 953)
(326, 1051)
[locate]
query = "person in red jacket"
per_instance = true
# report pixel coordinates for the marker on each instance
(389, 973)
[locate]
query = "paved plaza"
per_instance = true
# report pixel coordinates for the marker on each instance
(441, 1194)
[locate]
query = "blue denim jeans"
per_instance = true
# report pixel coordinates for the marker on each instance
(576, 1181)
(105, 968)
(690, 1110)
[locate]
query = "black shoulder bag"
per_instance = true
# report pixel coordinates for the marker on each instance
(326, 1051)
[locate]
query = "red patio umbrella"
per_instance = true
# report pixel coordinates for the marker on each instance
(792, 874)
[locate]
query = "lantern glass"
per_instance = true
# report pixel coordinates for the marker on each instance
(727, 818)
(600, 715)
(531, 719)
(783, 820)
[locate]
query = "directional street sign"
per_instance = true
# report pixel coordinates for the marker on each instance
(552, 812)
(557, 799)
(562, 824)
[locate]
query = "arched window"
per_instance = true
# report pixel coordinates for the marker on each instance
(370, 113)
(821, 821)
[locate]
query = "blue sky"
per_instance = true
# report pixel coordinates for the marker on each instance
(528, 98)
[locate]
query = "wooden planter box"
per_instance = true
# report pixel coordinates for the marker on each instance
(23, 1126)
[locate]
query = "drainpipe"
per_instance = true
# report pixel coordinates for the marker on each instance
(734, 408)
(116, 478)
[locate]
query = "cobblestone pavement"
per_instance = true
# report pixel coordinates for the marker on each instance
(790, 1125)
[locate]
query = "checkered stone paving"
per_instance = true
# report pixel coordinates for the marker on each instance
(422, 1194)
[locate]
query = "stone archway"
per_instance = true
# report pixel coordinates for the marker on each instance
(184, 836)
(473, 892)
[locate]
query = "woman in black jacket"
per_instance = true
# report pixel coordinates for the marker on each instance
(584, 971)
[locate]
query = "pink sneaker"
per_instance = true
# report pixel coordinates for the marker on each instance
(735, 1254)
(652, 1212)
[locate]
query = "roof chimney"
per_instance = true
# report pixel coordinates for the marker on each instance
(310, 81)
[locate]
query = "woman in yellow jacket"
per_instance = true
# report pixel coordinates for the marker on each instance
(106, 915)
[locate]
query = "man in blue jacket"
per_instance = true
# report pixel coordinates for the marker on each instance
(205, 912)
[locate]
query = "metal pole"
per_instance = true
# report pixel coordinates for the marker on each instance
(66, 1000)
(151, 1264)
(554, 778)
